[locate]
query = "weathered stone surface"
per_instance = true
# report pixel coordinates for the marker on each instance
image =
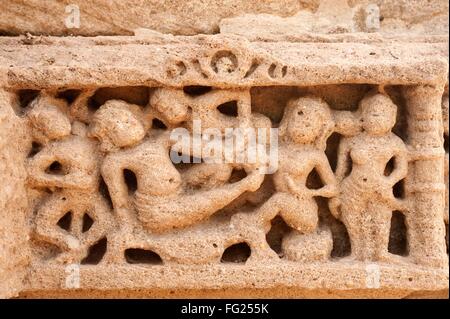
(193, 17)
(14, 252)
(344, 196)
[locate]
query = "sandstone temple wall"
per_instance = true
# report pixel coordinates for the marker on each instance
(348, 199)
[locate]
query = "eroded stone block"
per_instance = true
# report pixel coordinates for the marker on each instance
(345, 193)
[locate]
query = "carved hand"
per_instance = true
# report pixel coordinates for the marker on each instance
(254, 180)
(327, 191)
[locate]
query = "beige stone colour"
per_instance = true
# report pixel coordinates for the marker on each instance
(292, 149)
(366, 198)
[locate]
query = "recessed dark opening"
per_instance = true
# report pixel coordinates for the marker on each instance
(142, 256)
(65, 221)
(237, 175)
(87, 223)
(196, 90)
(279, 229)
(252, 69)
(272, 70)
(96, 252)
(341, 240)
(103, 190)
(68, 95)
(130, 180)
(389, 167)
(138, 95)
(55, 168)
(332, 149)
(229, 108)
(93, 104)
(238, 253)
(446, 143)
(398, 244)
(35, 148)
(313, 180)
(399, 189)
(158, 124)
(26, 97)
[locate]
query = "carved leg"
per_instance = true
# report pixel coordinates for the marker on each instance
(380, 225)
(300, 215)
(46, 222)
(115, 252)
(354, 222)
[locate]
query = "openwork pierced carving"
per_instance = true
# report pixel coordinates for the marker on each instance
(106, 172)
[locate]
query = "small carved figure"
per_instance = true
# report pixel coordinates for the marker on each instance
(366, 199)
(68, 166)
(305, 126)
(160, 200)
(219, 109)
(48, 119)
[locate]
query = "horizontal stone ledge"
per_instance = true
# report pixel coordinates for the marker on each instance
(268, 293)
(178, 61)
(321, 277)
(147, 36)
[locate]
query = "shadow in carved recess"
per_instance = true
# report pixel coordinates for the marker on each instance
(196, 90)
(138, 95)
(26, 97)
(229, 108)
(96, 252)
(278, 231)
(130, 180)
(237, 253)
(65, 221)
(104, 192)
(35, 148)
(157, 124)
(68, 95)
(87, 222)
(398, 244)
(142, 256)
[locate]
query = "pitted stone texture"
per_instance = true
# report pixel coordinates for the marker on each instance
(193, 17)
(94, 202)
(14, 253)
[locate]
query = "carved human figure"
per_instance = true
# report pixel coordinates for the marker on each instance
(161, 201)
(177, 107)
(366, 199)
(66, 165)
(305, 126)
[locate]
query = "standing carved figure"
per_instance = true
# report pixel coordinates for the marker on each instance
(366, 176)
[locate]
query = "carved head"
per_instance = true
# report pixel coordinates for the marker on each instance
(307, 120)
(171, 103)
(118, 124)
(49, 118)
(378, 114)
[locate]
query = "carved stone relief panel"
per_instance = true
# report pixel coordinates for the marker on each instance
(355, 151)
